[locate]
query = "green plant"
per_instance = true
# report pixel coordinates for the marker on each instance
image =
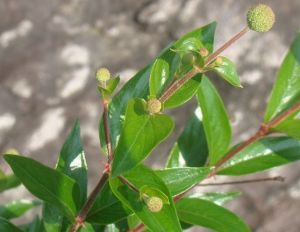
(131, 196)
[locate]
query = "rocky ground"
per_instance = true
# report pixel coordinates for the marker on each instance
(49, 51)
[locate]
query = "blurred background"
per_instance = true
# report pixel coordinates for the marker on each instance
(49, 51)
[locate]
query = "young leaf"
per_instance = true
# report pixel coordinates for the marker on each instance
(179, 180)
(185, 93)
(190, 150)
(6, 226)
(162, 221)
(107, 208)
(158, 77)
(207, 214)
(72, 162)
(286, 91)
(17, 208)
(46, 183)
(264, 154)
(219, 198)
(137, 86)
(227, 71)
(141, 133)
(215, 121)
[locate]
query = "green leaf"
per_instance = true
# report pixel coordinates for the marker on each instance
(286, 91)
(158, 77)
(17, 208)
(137, 86)
(227, 71)
(185, 93)
(52, 218)
(261, 155)
(162, 221)
(215, 121)
(6, 226)
(107, 208)
(191, 147)
(179, 180)
(46, 183)
(8, 182)
(219, 198)
(207, 214)
(72, 162)
(290, 127)
(141, 133)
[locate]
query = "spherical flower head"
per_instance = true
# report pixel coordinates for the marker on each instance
(103, 74)
(154, 106)
(260, 18)
(154, 204)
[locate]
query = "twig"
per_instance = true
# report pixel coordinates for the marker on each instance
(214, 55)
(263, 130)
(89, 203)
(275, 178)
(179, 83)
(92, 197)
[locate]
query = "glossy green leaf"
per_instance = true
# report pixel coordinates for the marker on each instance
(72, 162)
(227, 71)
(46, 183)
(215, 121)
(261, 155)
(8, 182)
(107, 208)
(166, 219)
(185, 93)
(17, 208)
(290, 127)
(219, 198)
(141, 133)
(158, 77)
(190, 150)
(179, 180)
(6, 226)
(137, 86)
(286, 90)
(207, 214)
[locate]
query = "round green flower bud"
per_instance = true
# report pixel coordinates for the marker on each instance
(154, 204)
(154, 106)
(103, 74)
(260, 18)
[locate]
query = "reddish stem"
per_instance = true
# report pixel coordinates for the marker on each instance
(214, 55)
(263, 131)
